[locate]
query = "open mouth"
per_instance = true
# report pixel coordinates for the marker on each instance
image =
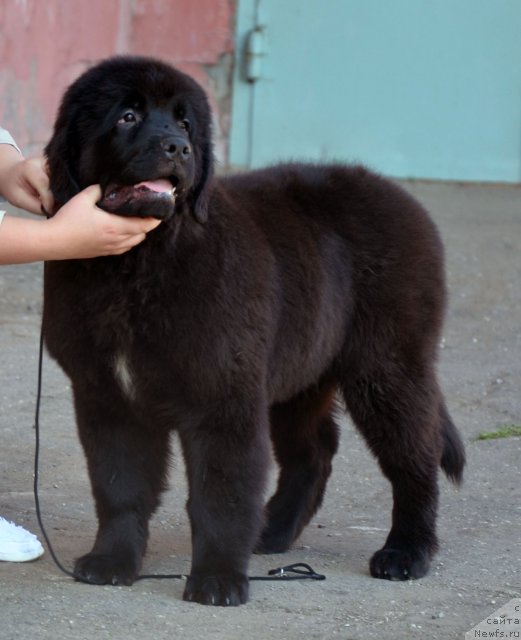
(149, 190)
(154, 198)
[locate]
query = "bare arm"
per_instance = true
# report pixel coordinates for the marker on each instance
(78, 230)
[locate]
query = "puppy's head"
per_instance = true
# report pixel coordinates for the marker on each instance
(141, 129)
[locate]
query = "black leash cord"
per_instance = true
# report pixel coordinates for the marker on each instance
(297, 571)
(37, 459)
(301, 570)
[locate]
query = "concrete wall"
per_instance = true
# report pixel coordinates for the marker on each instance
(45, 44)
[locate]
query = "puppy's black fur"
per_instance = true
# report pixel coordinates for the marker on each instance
(258, 299)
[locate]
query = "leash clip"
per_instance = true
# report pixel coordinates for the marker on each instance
(303, 571)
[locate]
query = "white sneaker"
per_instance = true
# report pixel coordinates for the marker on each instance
(17, 544)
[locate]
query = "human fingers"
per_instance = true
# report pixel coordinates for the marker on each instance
(41, 184)
(130, 226)
(23, 199)
(36, 182)
(128, 243)
(128, 232)
(147, 224)
(121, 233)
(90, 194)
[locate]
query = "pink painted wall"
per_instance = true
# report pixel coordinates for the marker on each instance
(45, 44)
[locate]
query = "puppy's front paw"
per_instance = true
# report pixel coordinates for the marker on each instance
(225, 590)
(104, 569)
(398, 564)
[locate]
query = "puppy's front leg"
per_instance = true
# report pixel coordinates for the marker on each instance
(127, 464)
(226, 458)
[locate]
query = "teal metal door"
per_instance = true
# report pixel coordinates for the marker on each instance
(413, 88)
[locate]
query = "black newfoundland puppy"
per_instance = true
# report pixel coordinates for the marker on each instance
(240, 319)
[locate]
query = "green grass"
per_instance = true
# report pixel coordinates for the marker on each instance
(504, 431)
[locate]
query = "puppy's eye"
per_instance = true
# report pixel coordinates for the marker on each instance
(129, 117)
(184, 124)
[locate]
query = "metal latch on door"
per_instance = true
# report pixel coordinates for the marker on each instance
(255, 51)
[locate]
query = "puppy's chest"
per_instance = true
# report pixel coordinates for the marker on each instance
(130, 338)
(147, 353)
(124, 372)
(138, 369)
(132, 359)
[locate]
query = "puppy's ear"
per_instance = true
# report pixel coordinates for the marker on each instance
(62, 160)
(201, 194)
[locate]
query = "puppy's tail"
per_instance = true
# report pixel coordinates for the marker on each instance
(453, 453)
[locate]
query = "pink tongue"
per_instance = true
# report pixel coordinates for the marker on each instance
(160, 186)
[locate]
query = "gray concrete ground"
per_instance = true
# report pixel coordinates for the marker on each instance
(478, 566)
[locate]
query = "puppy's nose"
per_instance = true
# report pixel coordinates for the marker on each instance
(176, 148)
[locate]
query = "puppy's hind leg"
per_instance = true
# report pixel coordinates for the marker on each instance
(127, 465)
(398, 415)
(305, 439)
